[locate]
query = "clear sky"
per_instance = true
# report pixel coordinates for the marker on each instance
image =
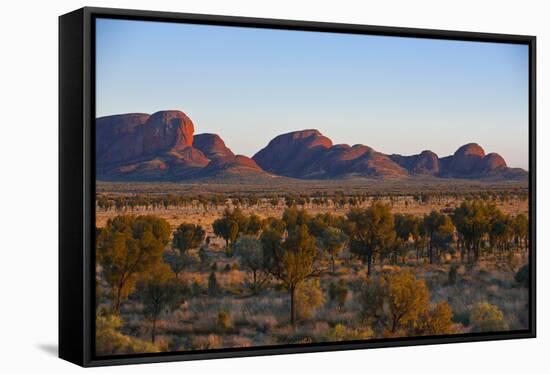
(397, 95)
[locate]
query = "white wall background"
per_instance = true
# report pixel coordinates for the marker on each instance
(28, 186)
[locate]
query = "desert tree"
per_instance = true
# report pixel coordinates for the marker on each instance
(254, 224)
(249, 249)
(471, 221)
(158, 292)
(127, 248)
(370, 231)
(439, 233)
(332, 241)
(291, 261)
(520, 226)
(320, 222)
(410, 229)
(187, 236)
(396, 303)
(228, 230)
(500, 230)
(293, 217)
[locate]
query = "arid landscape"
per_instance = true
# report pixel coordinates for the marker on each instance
(304, 242)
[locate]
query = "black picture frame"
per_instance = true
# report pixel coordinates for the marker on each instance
(77, 183)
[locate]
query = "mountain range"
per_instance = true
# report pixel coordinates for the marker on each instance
(163, 147)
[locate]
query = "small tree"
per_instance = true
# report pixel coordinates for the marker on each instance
(521, 230)
(291, 261)
(188, 236)
(332, 241)
(399, 303)
(293, 217)
(158, 292)
(127, 247)
(249, 249)
(439, 232)
(472, 223)
(370, 231)
(254, 225)
(228, 230)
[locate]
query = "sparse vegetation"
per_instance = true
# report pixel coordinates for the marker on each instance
(232, 269)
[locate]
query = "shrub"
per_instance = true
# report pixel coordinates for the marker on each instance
(224, 322)
(206, 342)
(487, 317)
(308, 298)
(338, 293)
(109, 340)
(341, 333)
(398, 304)
(436, 321)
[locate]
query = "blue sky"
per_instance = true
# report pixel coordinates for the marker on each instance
(397, 95)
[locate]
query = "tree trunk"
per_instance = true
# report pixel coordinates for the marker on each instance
(153, 332)
(292, 305)
(333, 263)
(117, 300)
(369, 264)
(430, 250)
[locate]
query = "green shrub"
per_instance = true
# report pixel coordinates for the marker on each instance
(487, 317)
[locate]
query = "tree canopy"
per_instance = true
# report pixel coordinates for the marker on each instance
(128, 247)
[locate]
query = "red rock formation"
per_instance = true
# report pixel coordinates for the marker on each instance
(466, 159)
(169, 130)
(212, 146)
(425, 163)
(163, 147)
(491, 162)
(118, 137)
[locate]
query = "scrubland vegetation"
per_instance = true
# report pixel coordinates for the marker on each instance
(253, 270)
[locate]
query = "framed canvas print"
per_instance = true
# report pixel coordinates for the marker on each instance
(235, 186)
